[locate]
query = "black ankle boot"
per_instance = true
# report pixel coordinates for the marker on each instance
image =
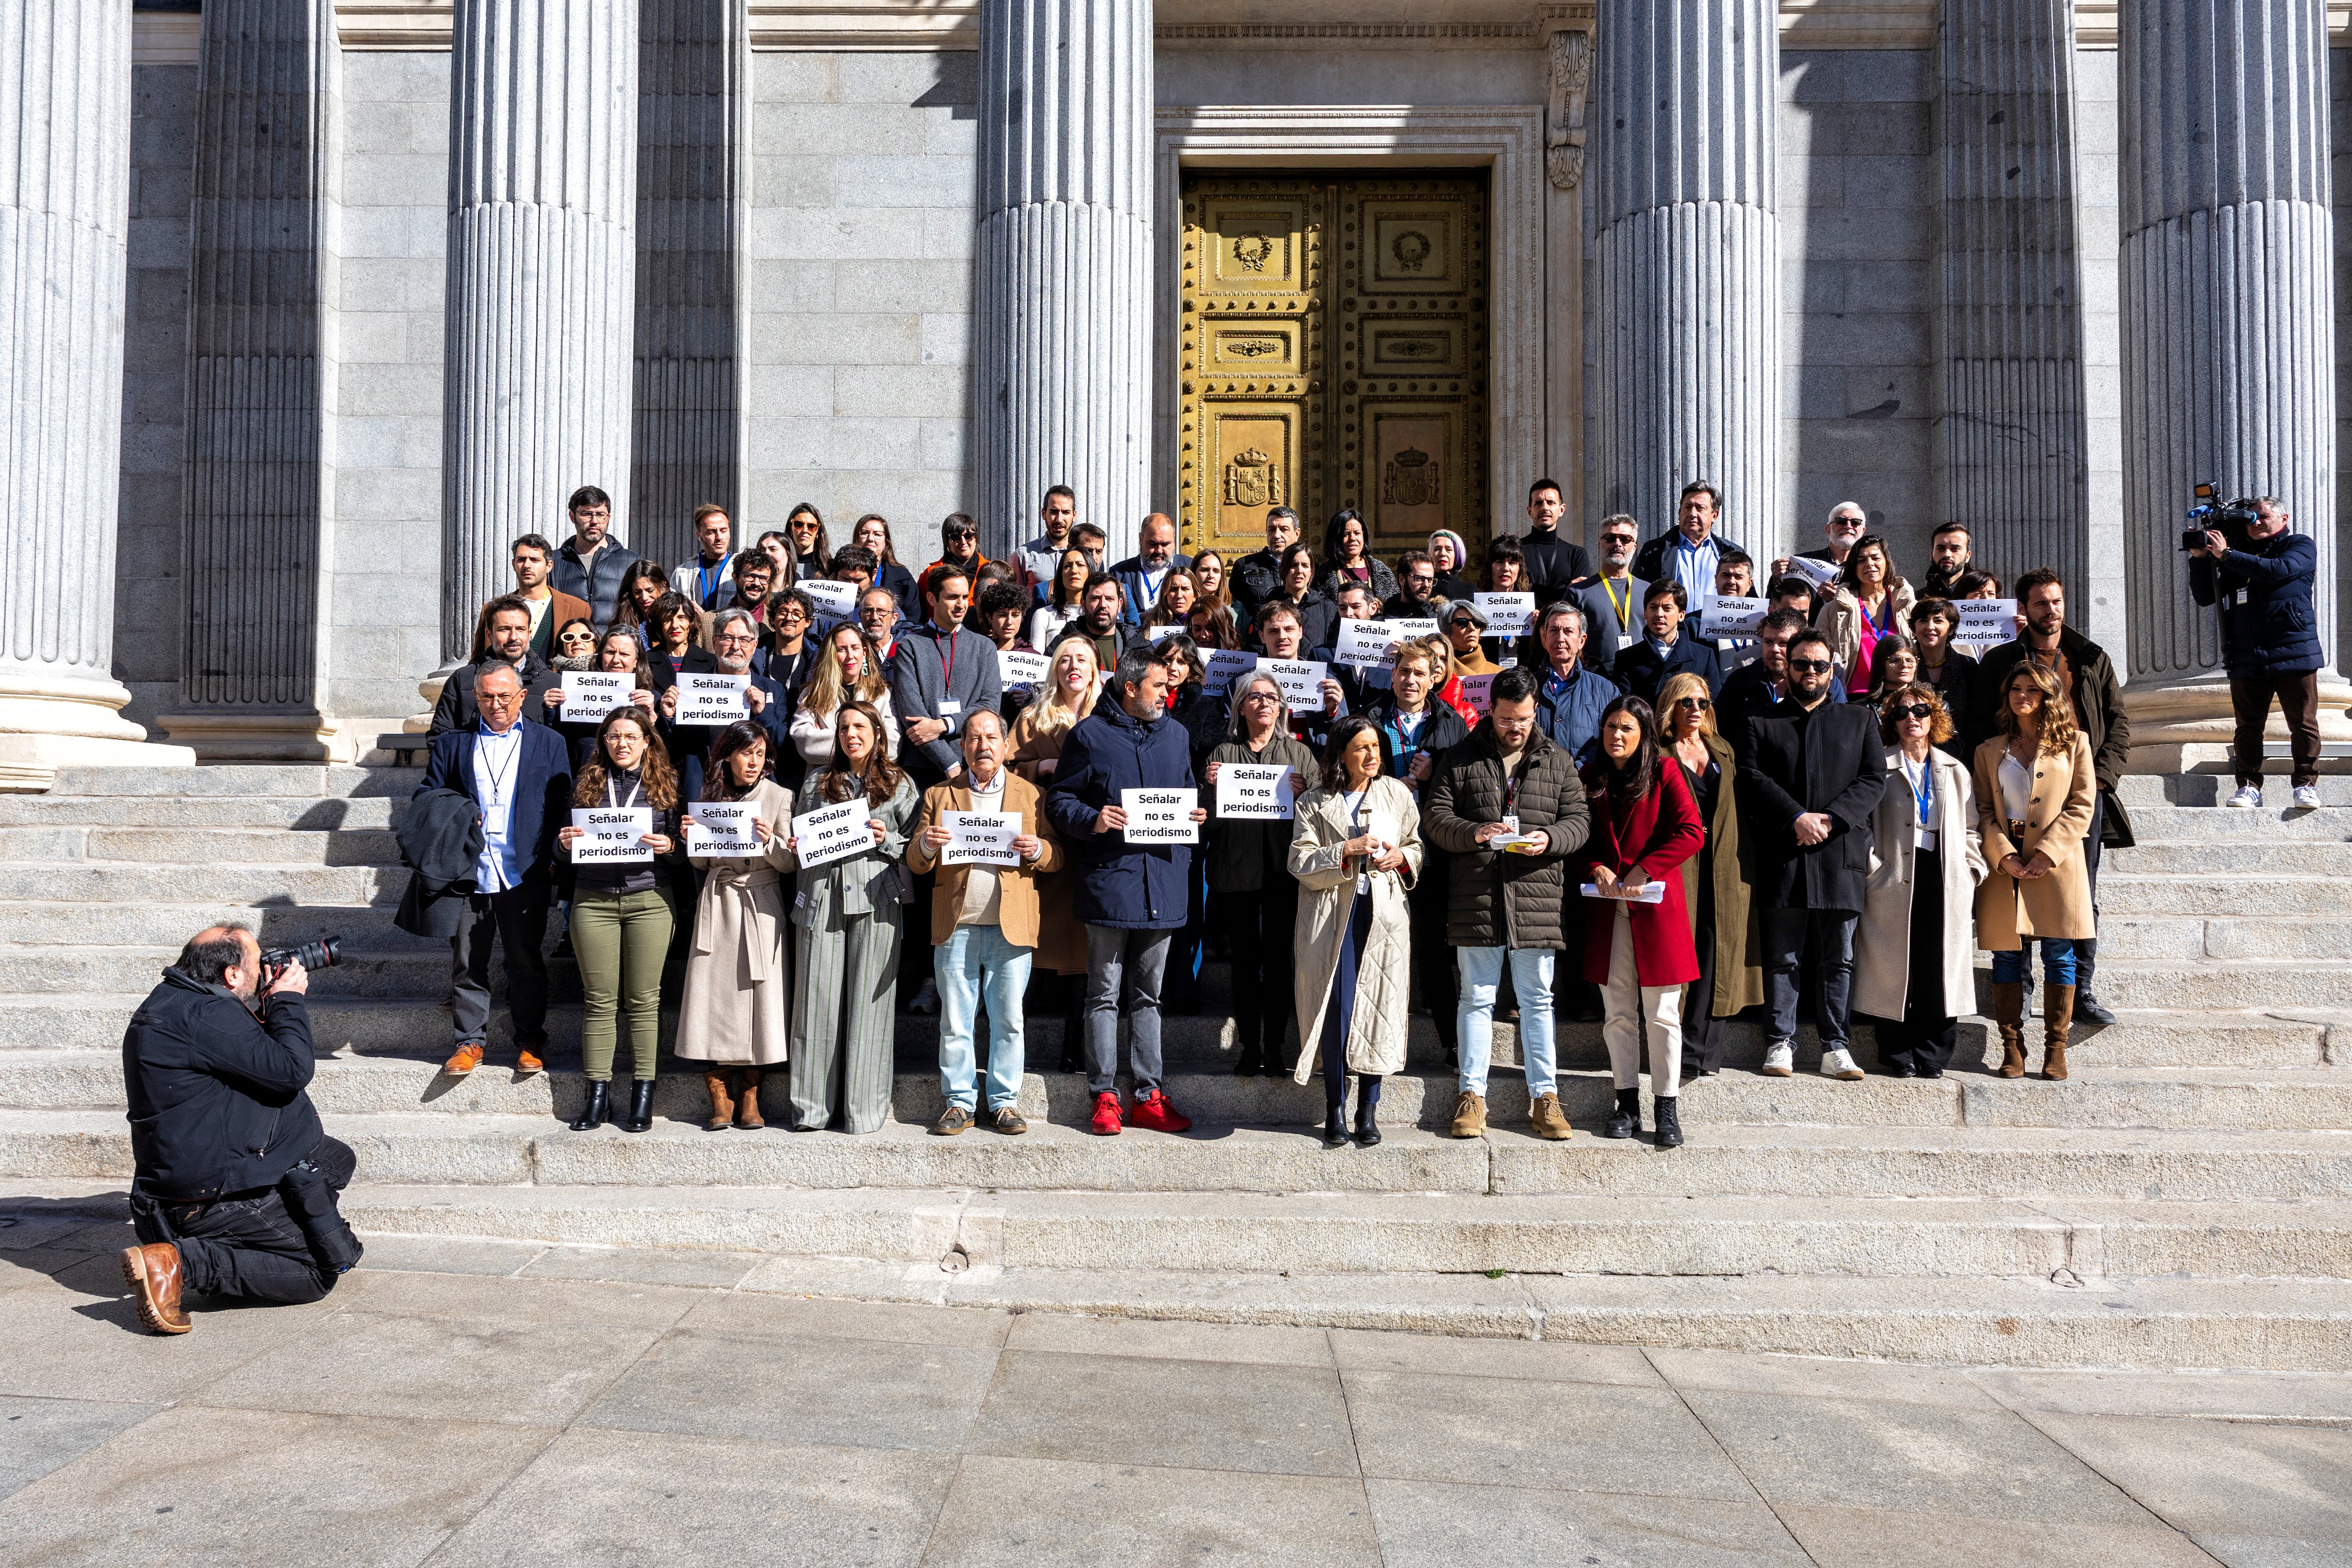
(599, 1107)
(1251, 1062)
(1367, 1130)
(641, 1106)
(1626, 1120)
(1670, 1126)
(1335, 1127)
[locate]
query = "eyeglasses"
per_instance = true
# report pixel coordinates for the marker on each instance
(1695, 704)
(1263, 697)
(1912, 710)
(1810, 665)
(1616, 539)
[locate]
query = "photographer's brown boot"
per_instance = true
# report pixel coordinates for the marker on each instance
(723, 1104)
(2057, 1017)
(747, 1102)
(2008, 1015)
(152, 1272)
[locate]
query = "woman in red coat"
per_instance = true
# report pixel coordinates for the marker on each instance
(1645, 826)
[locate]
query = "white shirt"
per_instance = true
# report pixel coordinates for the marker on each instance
(2016, 787)
(498, 767)
(984, 892)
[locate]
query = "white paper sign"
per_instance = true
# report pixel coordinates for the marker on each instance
(1160, 815)
(1155, 636)
(1225, 664)
(1252, 792)
(1478, 691)
(609, 835)
(834, 833)
(1516, 843)
(981, 838)
(1413, 628)
(590, 694)
(1014, 671)
(1653, 892)
(1726, 616)
(1985, 620)
(1301, 680)
(721, 830)
(1820, 574)
(1366, 643)
(1507, 614)
(834, 601)
(711, 699)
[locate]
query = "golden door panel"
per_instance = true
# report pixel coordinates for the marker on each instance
(1334, 353)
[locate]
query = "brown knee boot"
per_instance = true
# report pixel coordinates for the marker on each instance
(747, 1106)
(2009, 1013)
(723, 1107)
(2057, 1016)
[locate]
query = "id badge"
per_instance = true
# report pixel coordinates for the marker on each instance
(950, 708)
(1511, 823)
(1625, 642)
(1363, 882)
(495, 819)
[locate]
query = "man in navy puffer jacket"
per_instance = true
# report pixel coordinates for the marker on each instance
(2270, 641)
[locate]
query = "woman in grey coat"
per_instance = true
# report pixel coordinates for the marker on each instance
(847, 924)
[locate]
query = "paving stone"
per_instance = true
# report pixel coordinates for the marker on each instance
(2222, 1479)
(2239, 1396)
(37, 1436)
(1878, 1538)
(1288, 1420)
(1251, 1343)
(1728, 1372)
(1007, 1512)
(1428, 1525)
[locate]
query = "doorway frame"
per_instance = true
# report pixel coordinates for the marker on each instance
(1366, 139)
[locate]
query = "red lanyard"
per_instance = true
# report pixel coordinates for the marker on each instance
(948, 658)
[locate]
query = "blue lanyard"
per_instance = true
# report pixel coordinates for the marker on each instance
(706, 581)
(1923, 788)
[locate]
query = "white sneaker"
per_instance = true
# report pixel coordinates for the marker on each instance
(926, 1000)
(1839, 1063)
(2306, 798)
(2248, 797)
(1780, 1061)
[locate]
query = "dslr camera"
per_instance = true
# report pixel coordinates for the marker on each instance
(2231, 518)
(324, 953)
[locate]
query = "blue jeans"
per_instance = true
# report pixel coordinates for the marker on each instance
(1123, 972)
(1473, 1015)
(1831, 931)
(2057, 963)
(973, 959)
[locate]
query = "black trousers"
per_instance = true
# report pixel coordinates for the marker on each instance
(1433, 974)
(516, 920)
(1702, 1031)
(1264, 928)
(247, 1245)
(1923, 1038)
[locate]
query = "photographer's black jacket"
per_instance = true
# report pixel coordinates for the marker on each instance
(2271, 629)
(216, 1096)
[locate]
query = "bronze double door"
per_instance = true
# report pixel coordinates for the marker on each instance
(1333, 353)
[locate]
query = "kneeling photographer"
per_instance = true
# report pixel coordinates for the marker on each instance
(235, 1193)
(2245, 560)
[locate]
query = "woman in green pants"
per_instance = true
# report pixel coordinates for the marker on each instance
(622, 911)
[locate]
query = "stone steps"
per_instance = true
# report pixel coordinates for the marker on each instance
(2286, 897)
(239, 781)
(2189, 937)
(307, 813)
(202, 849)
(2210, 790)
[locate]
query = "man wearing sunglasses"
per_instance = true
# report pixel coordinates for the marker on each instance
(1812, 775)
(1612, 598)
(1760, 689)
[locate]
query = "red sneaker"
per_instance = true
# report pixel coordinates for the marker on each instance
(1153, 1111)
(1105, 1121)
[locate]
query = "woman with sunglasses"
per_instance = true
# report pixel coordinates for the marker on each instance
(1715, 881)
(1252, 893)
(805, 524)
(614, 653)
(2035, 794)
(1915, 948)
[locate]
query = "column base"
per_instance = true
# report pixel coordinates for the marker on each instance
(29, 763)
(230, 735)
(2187, 727)
(48, 724)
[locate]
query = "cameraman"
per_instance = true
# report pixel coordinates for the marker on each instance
(236, 1183)
(2270, 641)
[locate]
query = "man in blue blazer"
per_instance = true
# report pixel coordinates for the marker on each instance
(518, 776)
(1142, 574)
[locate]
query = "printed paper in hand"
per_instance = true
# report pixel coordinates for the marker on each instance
(1653, 892)
(834, 833)
(610, 835)
(1507, 614)
(1820, 574)
(1985, 620)
(721, 830)
(1385, 830)
(1301, 680)
(1224, 665)
(1365, 644)
(590, 694)
(834, 601)
(1516, 843)
(1422, 628)
(1253, 791)
(1160, 815)
(1727, 615)
(981, 838)
(711, 699)
(1478, 691)
(1014, 671)
(1155, 636)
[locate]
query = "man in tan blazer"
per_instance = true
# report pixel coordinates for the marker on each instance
(984, 923)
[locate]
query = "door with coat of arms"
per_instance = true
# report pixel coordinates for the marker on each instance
(1333, 353)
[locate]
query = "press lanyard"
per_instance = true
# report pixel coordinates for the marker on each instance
(1888, 624)
(1623, 608)
(706, 581)
(499, 786)
(947, 658)
(1409, 741)
(1922, 786)
(636, 786)
(1355, 818)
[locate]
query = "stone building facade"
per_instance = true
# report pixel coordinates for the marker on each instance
(341, 295)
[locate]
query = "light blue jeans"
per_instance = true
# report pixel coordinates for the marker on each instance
(1473, 1015)
(2012, 967)
(973, 958)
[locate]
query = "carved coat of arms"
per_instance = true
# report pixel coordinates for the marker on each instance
(1410, 478)
(1252, 479)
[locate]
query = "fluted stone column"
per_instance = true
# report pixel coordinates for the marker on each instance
(1687, 275)
(543, 273)
(259, 494)
(2011, 456)
(1063, 379)
(693, 187)
(64, 214)
(2228, 325)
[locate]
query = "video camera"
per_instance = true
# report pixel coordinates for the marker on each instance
(2230, 518)
(324, 953)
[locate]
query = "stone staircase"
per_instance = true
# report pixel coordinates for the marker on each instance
(2186, 1200)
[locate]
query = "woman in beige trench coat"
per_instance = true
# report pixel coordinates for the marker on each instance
(1356, 848)
(736, 1010)
(1915, 948)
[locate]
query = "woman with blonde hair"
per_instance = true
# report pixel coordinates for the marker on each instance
(847, 671)
(1914, 949)
(1073, 683)
(2034, 789)
(1716, 880)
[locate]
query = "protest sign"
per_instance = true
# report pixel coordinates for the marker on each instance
(981, 838)
(1507, 614)
(1160, 815)
(1985, 620)
(834, 601)
(1478, 691)
(722, 830)
(1253, 791)
(1224, 665)
(609, 834)
(1301, 680)
(590, 694)
(833, 833)
(1365, 644)
(1014, 671)
(711, 699)
(1728, 615)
